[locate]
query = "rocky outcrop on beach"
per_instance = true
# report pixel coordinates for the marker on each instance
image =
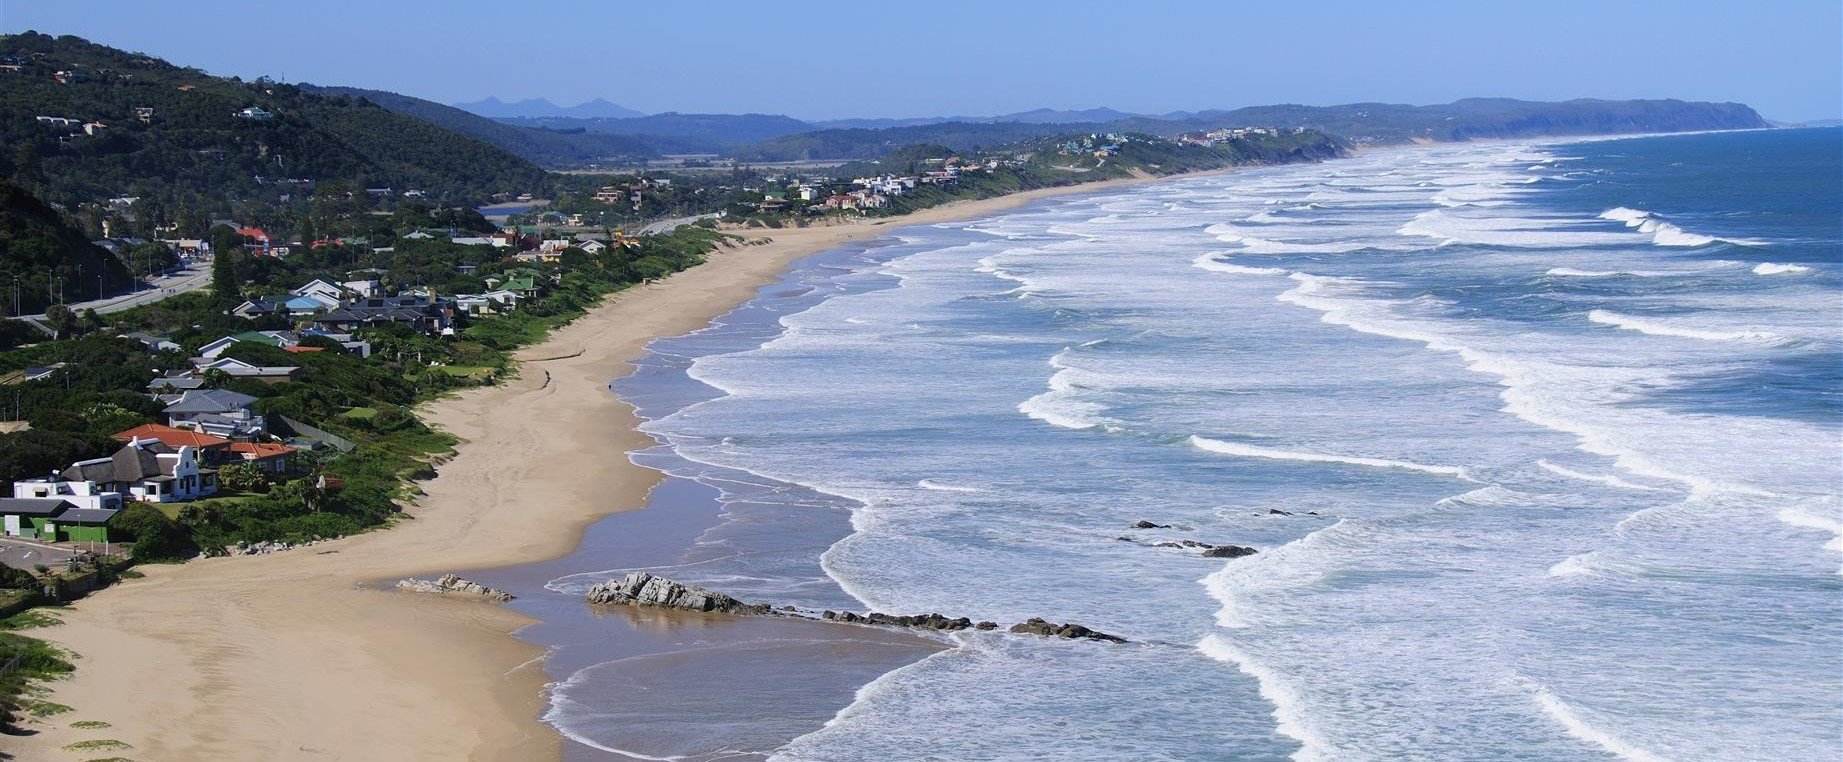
(265, 548)
(1228, 551)
(1143, 524)
(453, 584)
(643, 589)
(1072, 631)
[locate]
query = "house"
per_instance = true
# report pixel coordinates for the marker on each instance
(152, 342)
(284, 304)
(216, 411)
(363, 287)
(277, 339)
(79, 494)
(427, 313)
(211, 449)
(147, 471)
(269, 457)
(524, 287)
(355, 347)
(69, 512)
(174, 383)
(592, 246)
(417, 236)
(268, 374)
(255, 113)
(474, 304)
(331, 293)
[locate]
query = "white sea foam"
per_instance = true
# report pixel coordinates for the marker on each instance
(1769, 268)
(1569, 272)
(1288, 708)
(1806, 516)
(1578, 727)
(939, 487)
(1664, 233)
(1210, 263)
(1521, 395)
(1606, 479)
(1058, 406)
(564, 714)
(1251, 451)
(1656, 328)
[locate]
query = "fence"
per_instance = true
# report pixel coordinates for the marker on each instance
(335, 441)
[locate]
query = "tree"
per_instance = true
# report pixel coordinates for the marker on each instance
(242, 477)
(63, 322)
(155, 536)
(225, 284)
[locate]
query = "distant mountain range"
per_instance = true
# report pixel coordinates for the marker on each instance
(589, 132)
(494, 108)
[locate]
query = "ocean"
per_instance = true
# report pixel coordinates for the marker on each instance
(1539, 444)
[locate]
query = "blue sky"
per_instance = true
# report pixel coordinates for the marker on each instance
(826, 59)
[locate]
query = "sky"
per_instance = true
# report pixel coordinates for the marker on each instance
(822, 59)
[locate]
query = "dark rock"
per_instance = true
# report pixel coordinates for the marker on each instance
(643, 589)
(1277, 512)
(986, 626)
(1036, 626)
(1228, 551)
(1143, 524)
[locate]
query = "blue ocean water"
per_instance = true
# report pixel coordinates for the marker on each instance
(1539, 443)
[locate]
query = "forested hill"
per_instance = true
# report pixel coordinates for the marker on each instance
(545, 147)
(143, 127)
(40, 249)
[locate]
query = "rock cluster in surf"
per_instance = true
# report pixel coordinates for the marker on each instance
(643, 589)
(1209, 551)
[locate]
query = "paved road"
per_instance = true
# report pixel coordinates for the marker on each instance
(667, 226)
(194, 277)
(22, 554)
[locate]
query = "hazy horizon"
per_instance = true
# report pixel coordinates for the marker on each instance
(962, 59)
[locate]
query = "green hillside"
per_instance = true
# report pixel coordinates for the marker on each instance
(43, 252)
(544, 147)
(174, 134)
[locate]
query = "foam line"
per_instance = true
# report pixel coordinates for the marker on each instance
(1250, 451)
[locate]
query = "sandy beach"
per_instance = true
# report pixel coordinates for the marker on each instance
(302, 655)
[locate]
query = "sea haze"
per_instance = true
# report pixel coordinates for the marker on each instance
(1538, 443)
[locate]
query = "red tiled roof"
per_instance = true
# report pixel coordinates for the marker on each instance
(170, 436)
(260, 450)
(297, 349)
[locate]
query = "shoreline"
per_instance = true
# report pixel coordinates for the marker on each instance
(302, 654)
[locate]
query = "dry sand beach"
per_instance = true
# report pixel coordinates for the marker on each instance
(306, 655)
